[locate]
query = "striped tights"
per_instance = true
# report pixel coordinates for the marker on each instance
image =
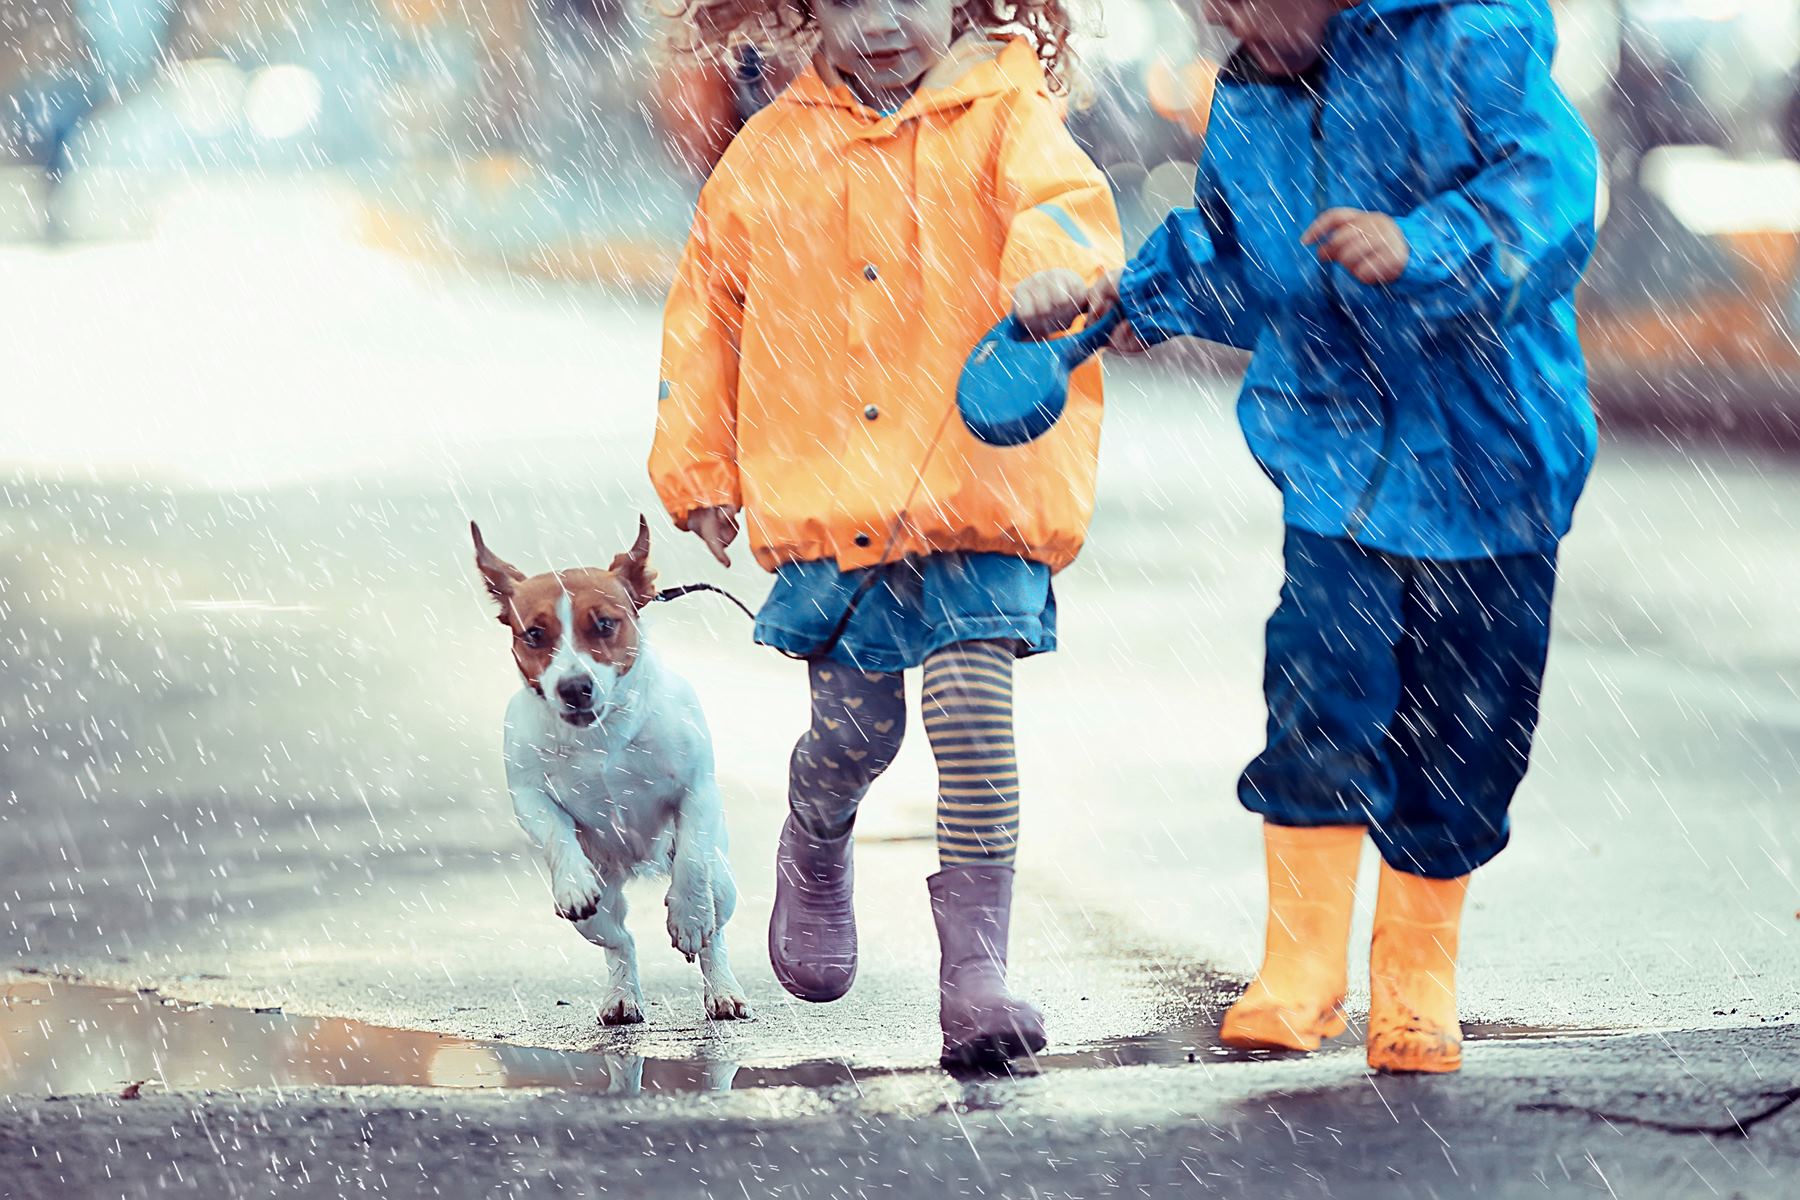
(859, 719)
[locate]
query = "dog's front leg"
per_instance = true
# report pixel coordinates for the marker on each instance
(575, 886)
(724, 996)
(624, 1074)
(692, 914)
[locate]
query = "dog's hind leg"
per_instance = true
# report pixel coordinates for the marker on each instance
(723, 994)
(624, 1002)
(693, 913)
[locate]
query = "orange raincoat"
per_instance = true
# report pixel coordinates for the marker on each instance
(841, 266)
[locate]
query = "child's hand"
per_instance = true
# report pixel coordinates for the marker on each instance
(1049, 301)
(1369, 245)
(1102, 297)
(717, 527)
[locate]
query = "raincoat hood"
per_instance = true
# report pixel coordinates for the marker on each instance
(1372, 15)
(1375, 10)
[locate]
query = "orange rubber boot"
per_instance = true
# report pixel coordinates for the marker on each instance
(1412, 973)
(1297, 998)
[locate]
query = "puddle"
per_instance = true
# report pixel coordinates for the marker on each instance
(69, 1038)
(1476, 1032)
(62, 1038)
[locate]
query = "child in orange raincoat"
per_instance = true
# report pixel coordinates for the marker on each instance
(858, 237)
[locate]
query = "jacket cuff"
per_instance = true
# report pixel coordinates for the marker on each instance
(1444, 275)
(1426, 266)
(1155, 290)
(684, 506)
(1149, 309)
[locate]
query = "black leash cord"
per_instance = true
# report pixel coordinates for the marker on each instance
(825, 647)
(675, 593)
(863, 587)
(872, 574)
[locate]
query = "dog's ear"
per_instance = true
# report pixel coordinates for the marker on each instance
(633, 568)
(498, 574)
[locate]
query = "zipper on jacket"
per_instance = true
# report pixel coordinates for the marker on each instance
(1359, 515)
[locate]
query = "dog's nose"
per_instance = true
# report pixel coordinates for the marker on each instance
(576, 692)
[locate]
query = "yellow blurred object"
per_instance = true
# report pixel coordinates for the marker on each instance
(1184, 94)
(1413, 1025)
(1769, 257)
(636, 264)
(417, 12)
(1745, 327)
(1296, 1000)
(499, 172)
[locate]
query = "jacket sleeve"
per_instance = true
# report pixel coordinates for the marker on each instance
(1062, 212)
(693, 458)
(1188, 278)
(1519, 233)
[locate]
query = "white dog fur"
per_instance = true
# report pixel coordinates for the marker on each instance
(629, 793)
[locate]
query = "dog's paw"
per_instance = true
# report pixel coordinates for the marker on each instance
(727, 1004)
(576, 894)
(622, 1008)
(690, 923)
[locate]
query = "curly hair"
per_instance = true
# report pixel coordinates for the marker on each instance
(702, 31)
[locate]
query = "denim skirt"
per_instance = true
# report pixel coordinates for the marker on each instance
(920, 604)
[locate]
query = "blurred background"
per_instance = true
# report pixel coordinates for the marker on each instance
(540, 138)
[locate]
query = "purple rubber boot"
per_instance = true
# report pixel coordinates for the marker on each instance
(984, 1025)
(812, 932)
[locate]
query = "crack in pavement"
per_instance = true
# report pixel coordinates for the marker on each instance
(1737, 1128)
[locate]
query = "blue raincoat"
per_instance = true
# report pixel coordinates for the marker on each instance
(1444, 415)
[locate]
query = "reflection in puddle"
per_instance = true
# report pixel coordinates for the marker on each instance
(61, 1038)
(67, 1038)
(1535, 1033)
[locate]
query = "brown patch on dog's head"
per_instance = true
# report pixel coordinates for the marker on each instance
(565, 624)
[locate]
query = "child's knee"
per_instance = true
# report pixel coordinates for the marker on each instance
(968, 698)
(849, 754)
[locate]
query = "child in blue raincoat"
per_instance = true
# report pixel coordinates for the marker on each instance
(1393, 210)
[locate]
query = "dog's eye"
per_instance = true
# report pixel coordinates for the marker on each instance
(533, 637)
(605, 627)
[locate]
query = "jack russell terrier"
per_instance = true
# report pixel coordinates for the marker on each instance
(610, 766)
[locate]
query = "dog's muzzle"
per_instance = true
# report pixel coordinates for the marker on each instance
(577, 696)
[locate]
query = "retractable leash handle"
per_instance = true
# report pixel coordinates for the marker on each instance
(1014, 386)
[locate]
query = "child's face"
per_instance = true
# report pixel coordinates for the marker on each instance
(884, 47)
(1283, 36)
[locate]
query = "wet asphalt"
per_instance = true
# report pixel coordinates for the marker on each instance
(249, 717)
